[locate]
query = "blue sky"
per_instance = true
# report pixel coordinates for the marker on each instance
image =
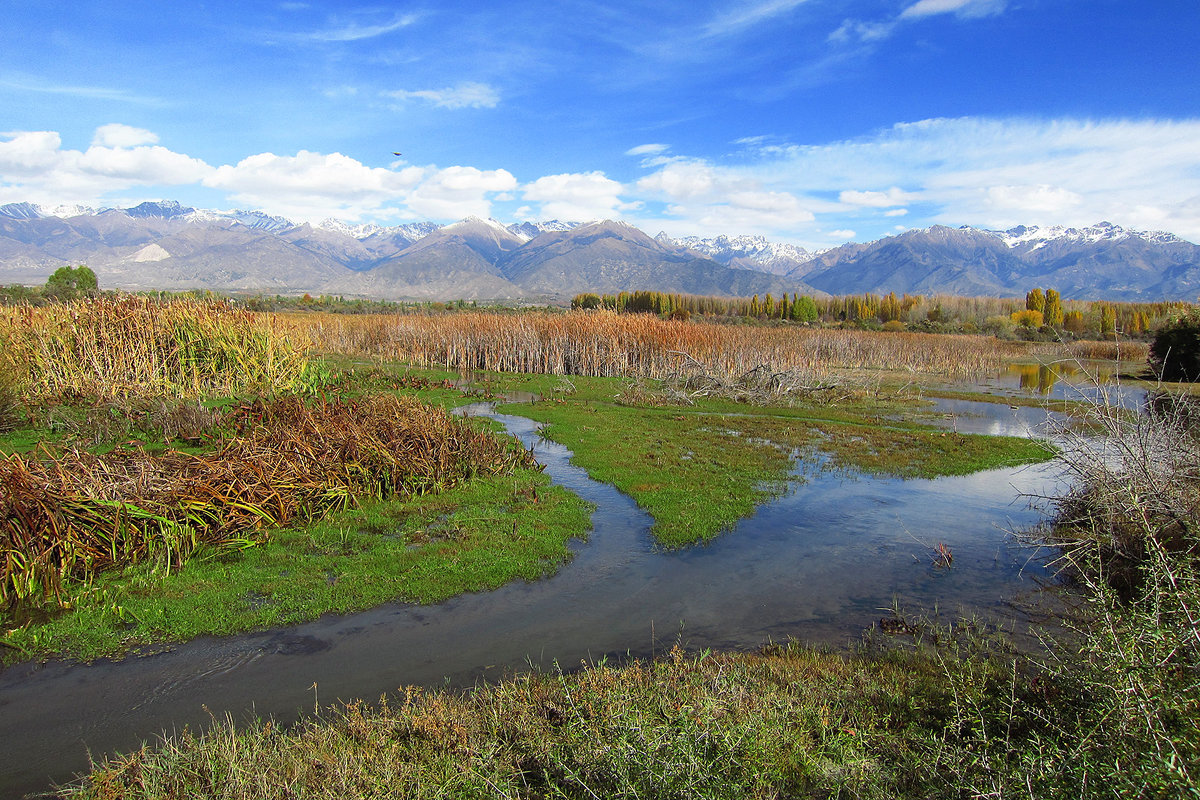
(809, 121)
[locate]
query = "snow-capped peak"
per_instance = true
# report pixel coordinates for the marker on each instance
(472, 222)
(1034, 237)
(360, 231)
(746, 250)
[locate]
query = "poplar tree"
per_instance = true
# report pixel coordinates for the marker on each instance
(1053, 311)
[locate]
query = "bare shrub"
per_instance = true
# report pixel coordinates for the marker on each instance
(1127, 530)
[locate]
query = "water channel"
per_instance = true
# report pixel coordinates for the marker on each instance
(820, 563)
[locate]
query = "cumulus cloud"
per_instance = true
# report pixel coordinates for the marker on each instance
(1004, 172)
(464, 95)
(992, 173)
(776, 213)
(311, 185)
(456, 192)
(117, 135)
(723, 199)
(34, 166)
(577, 196)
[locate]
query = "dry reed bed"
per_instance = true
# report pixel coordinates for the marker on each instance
(104, 347)
(72, 514)
(640, 345)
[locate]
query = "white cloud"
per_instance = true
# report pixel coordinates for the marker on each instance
(312, 185)
(976, 171)
(853, 30)
(29, 153)
(117, 135)
(746, 14)
(577, 196)
(456, 192)
(143, 165)
(464, 95)
(35, 167)
(889, 199)
(647, 150)
(962, 8)
(858, 30)
(353, 32)
(777, 213)
(842, 236)
(1003, 172)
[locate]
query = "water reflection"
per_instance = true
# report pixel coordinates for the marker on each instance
(1063, 380)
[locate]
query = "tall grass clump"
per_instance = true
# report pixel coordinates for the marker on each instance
(112, 347)
(66, 515)
(603, 343)
(1129, 530)
(10, 397)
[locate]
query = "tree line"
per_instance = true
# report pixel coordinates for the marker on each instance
(1041, 314)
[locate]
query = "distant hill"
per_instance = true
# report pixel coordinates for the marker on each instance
(166, 245)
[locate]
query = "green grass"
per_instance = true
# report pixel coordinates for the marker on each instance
(785, 722)
(698, 469)
(474, 538)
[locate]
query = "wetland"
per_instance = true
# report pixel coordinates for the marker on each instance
(663, 536)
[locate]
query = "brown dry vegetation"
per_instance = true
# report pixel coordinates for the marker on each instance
(67, 515)
(638, 345)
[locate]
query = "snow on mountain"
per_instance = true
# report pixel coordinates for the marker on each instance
(361, 231)
(530, 230)
(21, 211)
(1033, 237)
(255, 220)
(474, 222)
(746, 252)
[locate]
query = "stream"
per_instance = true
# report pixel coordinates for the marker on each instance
(820, 563)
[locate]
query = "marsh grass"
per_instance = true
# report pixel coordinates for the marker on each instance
(474, 537)
(601, 343)
(699, 466)
(113, 347)
(69, 514)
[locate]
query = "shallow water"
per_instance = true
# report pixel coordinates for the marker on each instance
(1066, 380)
(820, 563)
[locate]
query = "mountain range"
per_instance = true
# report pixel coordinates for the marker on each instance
(165, 245)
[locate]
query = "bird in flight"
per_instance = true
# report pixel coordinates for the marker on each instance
(395, 153)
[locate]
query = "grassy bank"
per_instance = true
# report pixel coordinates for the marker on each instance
(698, 468)
(785, 722)
(472, 538)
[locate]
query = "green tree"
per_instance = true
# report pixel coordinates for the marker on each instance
(1035, 300)
(1175, 351)
(804, 309)
(1053, 311)
(68, 283)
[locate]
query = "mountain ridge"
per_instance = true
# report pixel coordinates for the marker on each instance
(167, 245)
